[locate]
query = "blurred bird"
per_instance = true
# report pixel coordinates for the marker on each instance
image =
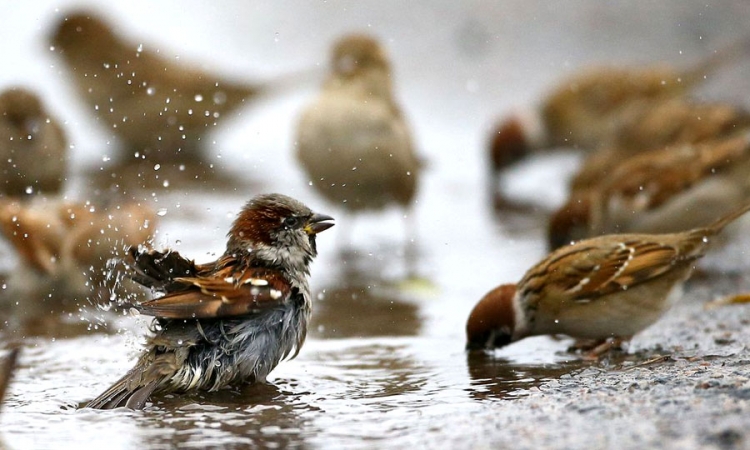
(657, 125)
(228, 321)
(33, 147)
(663, 191)
(606, 287)
(68, 244)
(586, 108)
(353, 141)
(159, 110)
(7, 367)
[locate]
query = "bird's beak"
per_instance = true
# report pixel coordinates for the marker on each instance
(318, 223)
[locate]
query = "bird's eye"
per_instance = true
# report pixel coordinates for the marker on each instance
(291, 222)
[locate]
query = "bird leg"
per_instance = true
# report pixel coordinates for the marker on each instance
(593, 350)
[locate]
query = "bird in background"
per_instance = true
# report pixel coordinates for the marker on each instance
(33, 146)
(230, 321)
(584, 109)
(159, 110)
(657, 125)
(663, 191)
(352, 140)
(605, 288)
(68, 244)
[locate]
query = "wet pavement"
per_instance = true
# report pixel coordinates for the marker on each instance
(384, 364)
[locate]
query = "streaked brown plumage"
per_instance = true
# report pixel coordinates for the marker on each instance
(588, 107)
(33, 147)
(668, 190)
(230, 321)
(606, 287)
(353, 141)
(159, 110)
(657, 125)
(70, 242)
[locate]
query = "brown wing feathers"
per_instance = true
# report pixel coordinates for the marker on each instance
(160, 270)
(223, 294)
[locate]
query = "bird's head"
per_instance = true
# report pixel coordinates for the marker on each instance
(492, 321)
(21, 109)
(277, 230)
(569, 223)
(355, 54)
(82, 32)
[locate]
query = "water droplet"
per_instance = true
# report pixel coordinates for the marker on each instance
(220, 97)
(29, 190)
(151, 91)
(157, 167)
(161, 212)
(198, 98)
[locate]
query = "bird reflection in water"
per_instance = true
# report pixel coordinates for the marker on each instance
(364, 300)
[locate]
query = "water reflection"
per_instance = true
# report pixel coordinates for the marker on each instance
(363, 311)
(368, 298)
(264, 416)
(496, 378)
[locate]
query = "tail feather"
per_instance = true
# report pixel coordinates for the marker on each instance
(117, 393)
(723, 56)
(695, 243)
(128, 391)
(139, 398)
(725, 220)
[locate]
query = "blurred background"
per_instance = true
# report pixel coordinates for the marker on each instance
(458, 67)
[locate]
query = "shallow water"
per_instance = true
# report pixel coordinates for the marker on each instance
(384, 363)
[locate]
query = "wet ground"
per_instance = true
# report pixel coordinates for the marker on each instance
(384, 365)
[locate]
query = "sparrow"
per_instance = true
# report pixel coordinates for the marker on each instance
(655, 126)
(159, 110)
(353, 141)
(231, 320)
(606, 287)
(668, 190)
(33, 146)
(69, 244)
(7, 367)
(585, 108)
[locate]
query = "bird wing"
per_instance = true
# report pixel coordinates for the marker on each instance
(591, 269)
(161, 271)
(647, 181)
(230, 291)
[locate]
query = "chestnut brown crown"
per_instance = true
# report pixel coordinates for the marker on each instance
(492, 321)
(355, 53)
(508, 144)
(570, 222)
